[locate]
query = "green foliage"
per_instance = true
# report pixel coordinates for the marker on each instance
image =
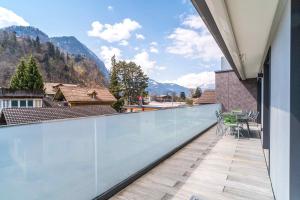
(127, 81)
(189, 102)
(115, 86)
(182, 95)
(197, 93)
(33, 77)
(18, 80)
(27, 76)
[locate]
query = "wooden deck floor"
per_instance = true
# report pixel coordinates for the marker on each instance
(209, 168)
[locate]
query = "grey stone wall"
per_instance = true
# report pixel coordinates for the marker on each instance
(233, 93)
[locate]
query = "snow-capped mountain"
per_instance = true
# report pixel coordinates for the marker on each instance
(156, 88)
(71, 45)
(67, 44)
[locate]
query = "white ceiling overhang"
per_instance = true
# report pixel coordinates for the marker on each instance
(243, 29)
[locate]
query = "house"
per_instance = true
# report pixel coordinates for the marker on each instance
(233, 93)
(51, 88)
(261, 40)
(164, 98)
(207, 97)
(14, 116)
(79, 96)
(10, 98)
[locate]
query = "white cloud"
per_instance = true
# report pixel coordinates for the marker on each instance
(107, 52)
(124, 43)
(153, 44)
(9, 18)
(194, 21)
(194, 41)
(191, 44)
(136, 48)
(114, 32)
(139, 36)
(110, 8)
(146, 63)
(193, 80)
(153, 50)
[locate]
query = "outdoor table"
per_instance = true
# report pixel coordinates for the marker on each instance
(241, 116)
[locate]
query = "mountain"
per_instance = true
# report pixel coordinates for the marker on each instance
(68, 45)
(73, 46)
(28, 31)
(156, 88)
(54, 65)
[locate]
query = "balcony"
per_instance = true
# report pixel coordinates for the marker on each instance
(95, 157)
(211, 167)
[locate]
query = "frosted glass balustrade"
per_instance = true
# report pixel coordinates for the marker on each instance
(79, 159)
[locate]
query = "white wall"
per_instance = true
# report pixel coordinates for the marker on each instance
(280, 108)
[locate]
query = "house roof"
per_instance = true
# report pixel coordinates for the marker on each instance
(11, 93)
(208, 97)
(85, 94)
(51, 88)
(31, 115)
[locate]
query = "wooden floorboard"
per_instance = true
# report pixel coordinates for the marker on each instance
(209, 168)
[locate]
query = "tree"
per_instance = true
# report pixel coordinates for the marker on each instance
(182, 95)
(34, 79)
(127, 81)
(18, 80)
(38, 43)
(115, 86)
(197, 93)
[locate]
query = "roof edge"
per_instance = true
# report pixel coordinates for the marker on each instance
(208, 19)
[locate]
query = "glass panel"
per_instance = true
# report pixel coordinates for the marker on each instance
(14, 103)
(22, 103)
(82, 158)
(5, 103)
(30, 103)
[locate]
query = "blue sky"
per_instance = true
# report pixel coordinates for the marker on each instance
(167, 38)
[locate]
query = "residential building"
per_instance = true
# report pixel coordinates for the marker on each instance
(234, 93)
(207, 97)
(10, 98)
(164, 98)
(99, 157)
(17, 116)
(261, 41)
(51, 88)
(79, 96)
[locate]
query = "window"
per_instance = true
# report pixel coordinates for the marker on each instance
(30, 103)
(38, 103)
(6, 104)
(14, 103)
(22, 103)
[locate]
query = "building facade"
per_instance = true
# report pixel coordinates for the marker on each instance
(234, 93)
(261, 40)
(20, 98)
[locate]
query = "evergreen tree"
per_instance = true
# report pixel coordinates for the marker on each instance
(114, 86)
(18, 80)
(34, 79)
(197, 93)
(182, 95)
(38, 43)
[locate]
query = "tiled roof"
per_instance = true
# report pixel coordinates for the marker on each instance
(10, 93)
(208, 97)
(51, 88)
(31, 115)
(85, 94)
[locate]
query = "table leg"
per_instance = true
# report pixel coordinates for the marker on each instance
(248, 128)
